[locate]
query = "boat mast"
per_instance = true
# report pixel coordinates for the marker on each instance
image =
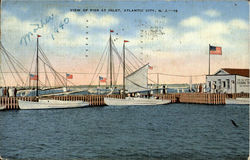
(37, 66)
(124, 70)
(110, 58)
(1, 76)
(124, 94)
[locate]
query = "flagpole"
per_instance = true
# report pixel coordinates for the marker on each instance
(209, 60)
(99, 81)
(29, 80)
(98, 89)
(66, 81)
(157, 83)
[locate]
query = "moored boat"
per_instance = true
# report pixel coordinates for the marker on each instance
(2, 107)
(48, 103)
(135, 82)
(51, 104)
(237, 101)
(135, 101)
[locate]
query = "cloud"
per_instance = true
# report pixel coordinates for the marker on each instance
(172, 44)
(212, 13)
(92, 20)
(193, 21)
(238, 24)
(156, 20)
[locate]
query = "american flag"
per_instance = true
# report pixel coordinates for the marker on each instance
(33, 77)
(69, 76)
(102, 79)
(215, 50)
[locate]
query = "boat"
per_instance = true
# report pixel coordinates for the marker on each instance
(51, 104)
(135, 82)
(237, 101)
(2, 107)
(135, 101)
(48, 103)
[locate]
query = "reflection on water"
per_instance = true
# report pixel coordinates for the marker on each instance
(175, 131)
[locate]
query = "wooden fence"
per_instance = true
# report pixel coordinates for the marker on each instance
(237, 95)
(12, 102)
(202, 98)
(98, 100)
(172, 97)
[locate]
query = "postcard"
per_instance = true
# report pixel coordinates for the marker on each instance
(83, 54)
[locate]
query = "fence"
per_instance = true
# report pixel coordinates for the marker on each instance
(98, 100)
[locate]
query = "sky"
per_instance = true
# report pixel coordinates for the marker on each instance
(174, 43)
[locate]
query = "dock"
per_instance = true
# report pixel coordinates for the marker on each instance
(11, 103)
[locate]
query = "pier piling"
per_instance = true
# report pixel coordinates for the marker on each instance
(11, 103)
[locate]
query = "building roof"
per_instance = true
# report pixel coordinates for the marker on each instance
(234, 71)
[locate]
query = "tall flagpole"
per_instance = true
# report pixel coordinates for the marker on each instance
(66, 81)
(209, 60)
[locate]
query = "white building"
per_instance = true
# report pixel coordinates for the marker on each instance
(228, 80)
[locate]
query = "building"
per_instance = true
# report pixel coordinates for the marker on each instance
(228, 80)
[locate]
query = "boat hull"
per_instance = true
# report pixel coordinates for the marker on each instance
(134, 101)
(2, 107)
(238, 101)
(51, 104)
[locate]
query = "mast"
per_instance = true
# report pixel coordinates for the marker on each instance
(110, 58)
(124, 94)
(1, 76)
(37, 65)
(124, 70)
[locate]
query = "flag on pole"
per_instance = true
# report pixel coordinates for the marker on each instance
(39, 35)
(69, 76)
(150, 67)
(111, 30)
(33, 77)
(102, 79)
(125, 41)
(215, 50)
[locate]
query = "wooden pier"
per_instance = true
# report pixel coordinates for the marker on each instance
(11, 103)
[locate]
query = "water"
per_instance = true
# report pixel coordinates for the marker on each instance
(175, 131)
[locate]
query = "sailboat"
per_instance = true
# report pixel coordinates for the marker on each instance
(2, 107)
(135, 82)
(48, 103)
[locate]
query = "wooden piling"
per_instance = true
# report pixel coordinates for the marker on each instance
(11, 103)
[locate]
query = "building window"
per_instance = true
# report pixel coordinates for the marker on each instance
(219, 83)
(214, 84)
(224, 84)
(209, 84)
(228, 83)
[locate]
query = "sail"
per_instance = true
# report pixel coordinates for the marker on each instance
(138, 80)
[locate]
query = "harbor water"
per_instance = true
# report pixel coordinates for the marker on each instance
(175, 131)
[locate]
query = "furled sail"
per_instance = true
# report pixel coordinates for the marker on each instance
(138, 80)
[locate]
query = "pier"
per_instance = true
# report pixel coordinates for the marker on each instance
(11, 103)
